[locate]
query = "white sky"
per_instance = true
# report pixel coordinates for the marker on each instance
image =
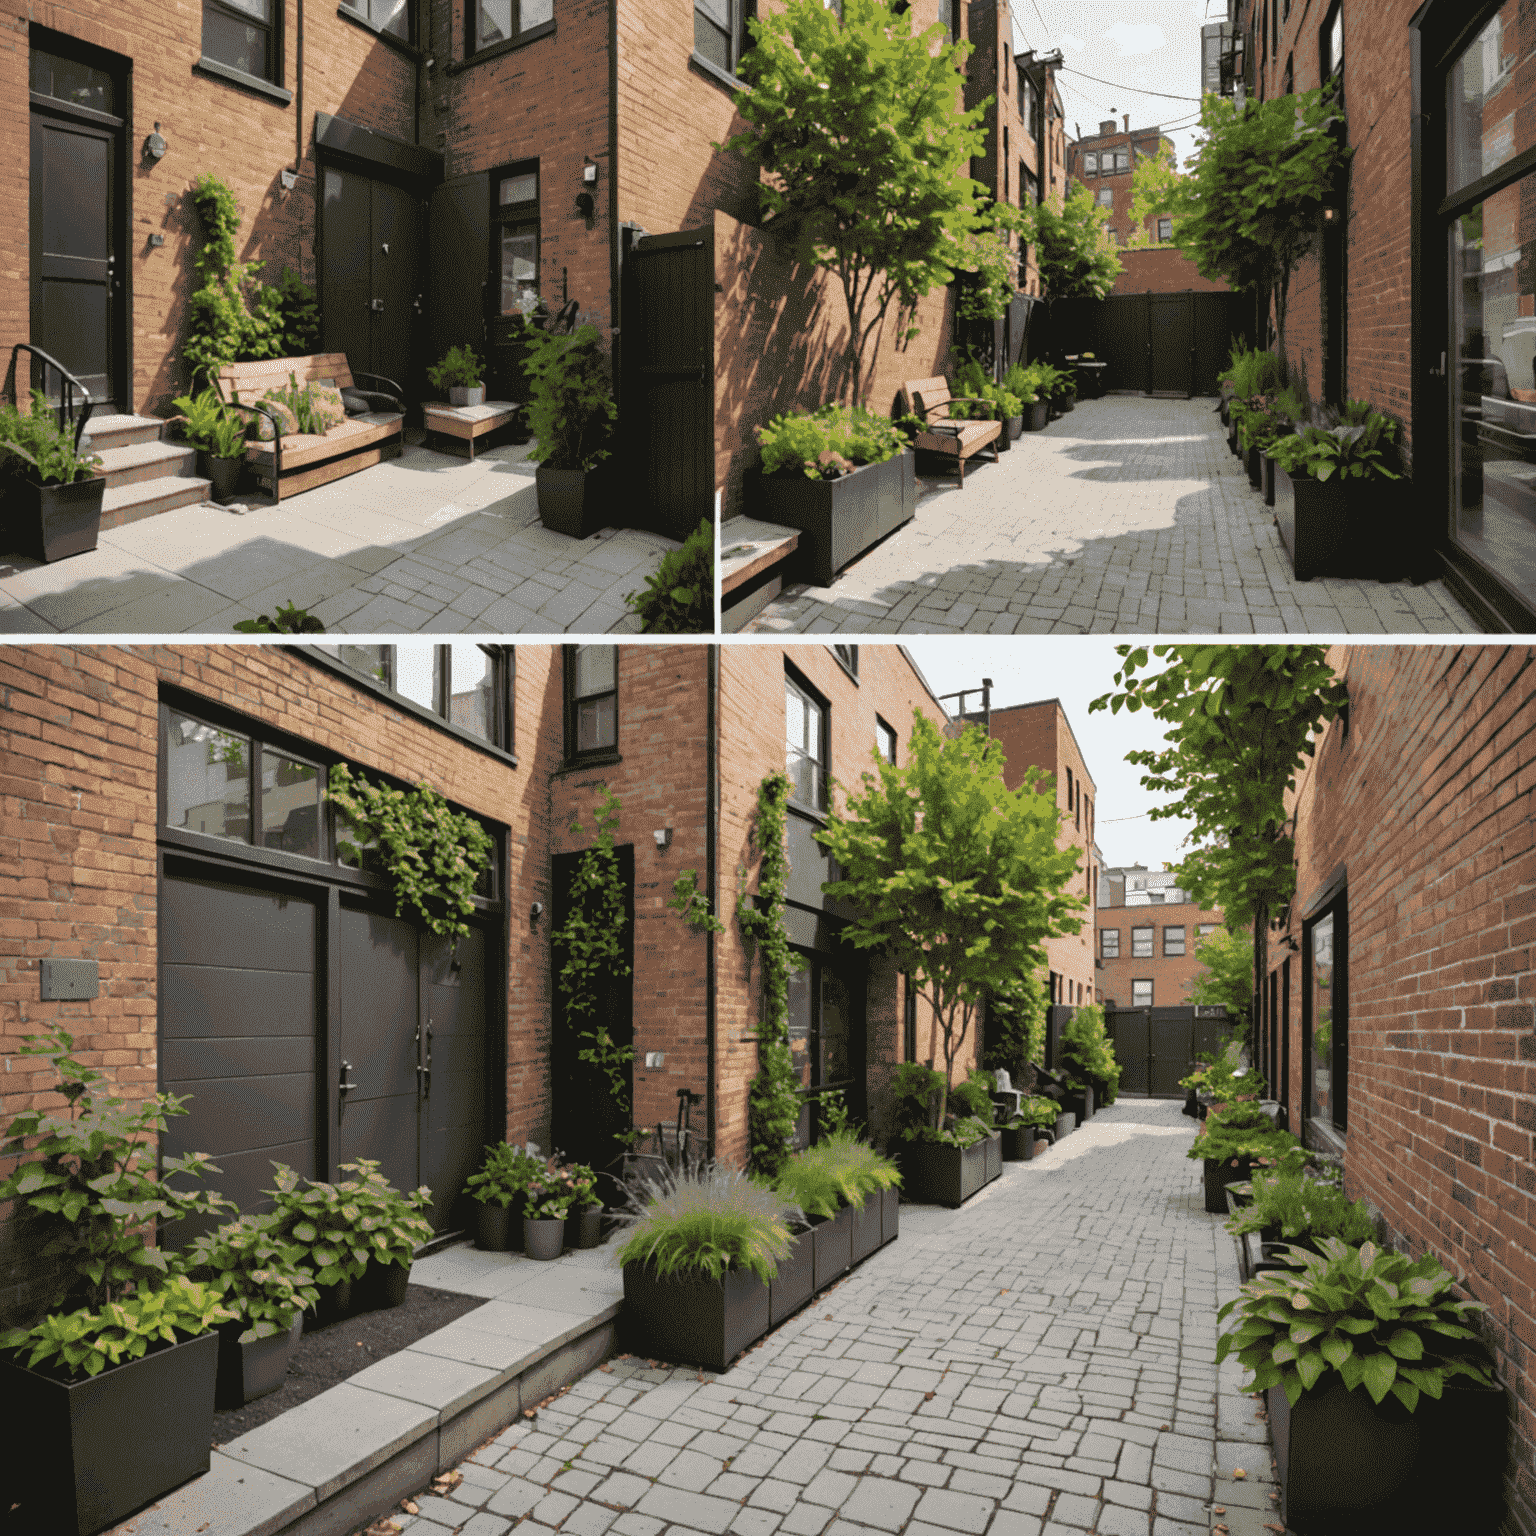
(1145, 46)
(1074, 670)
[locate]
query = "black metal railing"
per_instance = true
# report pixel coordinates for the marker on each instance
(68, 386)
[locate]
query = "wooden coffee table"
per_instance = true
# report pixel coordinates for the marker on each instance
(465, 423)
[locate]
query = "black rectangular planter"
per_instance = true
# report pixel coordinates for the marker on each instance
(1019, 1145)
(1065, 1125)
(51, 522)
(864, 1231)
(1346, 1463)
(993, 1166)
(934, 1173)
(1267, 474)
(1255, 470)
(832, 1239)
(1036, 417)
(1326, 525)
(1218, 1174)
(795, 1282)
(1080, 1102)
(838, 519)
(693, 1322)
(890, 1215)
(249, 1371)
(575, 502)
(96, 1450)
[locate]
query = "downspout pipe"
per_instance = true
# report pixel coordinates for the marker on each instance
(711, 881)
(298, 91)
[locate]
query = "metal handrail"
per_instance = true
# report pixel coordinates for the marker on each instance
(66, 406)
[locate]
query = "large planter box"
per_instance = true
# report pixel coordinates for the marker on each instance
(1327, 526)
(890, 1215)
(249, 1371)
(832, 1240)
(864, 1235)
(1081, 1104)
(1218, 1174)
(693, 1322)
(573, 501)
(993, 1147)
(1092, 379)
(933, 1173)
(795, 1282)
(96, 1450)
(1255, 469)
(1344, 1462)
(1065, 1125)
(838, 519)
(52, 522)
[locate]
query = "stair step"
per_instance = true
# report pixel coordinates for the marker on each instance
(144, 498)
(113, 431)
(132, 462)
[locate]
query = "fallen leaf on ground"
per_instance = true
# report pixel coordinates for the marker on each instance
(1238, 1473)
(409, 1506)
(529, 1413)
(1162, 1426)
(1219, 1509)
(827, 1318)
(1224, 1531)
(1270, 1526)
(448, 1480)
(607, 1370)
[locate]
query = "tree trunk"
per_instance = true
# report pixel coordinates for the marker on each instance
(1260, 966)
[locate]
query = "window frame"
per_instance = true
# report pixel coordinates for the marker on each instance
(516, 217)
(1090, 162)
(738, 41)
(1104, 197)
(358, 11)
(1333, 1131)
(1144, 981)
(795, 680)
(847, 657)
(1164, 231)
(886, 740)
(1150, 953)
(608, 752)
(1105, 950)
(1169, 929)
(269, 84)
(1329, 67)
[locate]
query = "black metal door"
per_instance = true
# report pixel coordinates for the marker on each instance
(1171, 335)
(453, 1102)
(827, 1037)
(1127, 1030)
(370, 265)
(458, 240)
(237, 1030)
(668, 398)
(76, 282)
(1170, 1051)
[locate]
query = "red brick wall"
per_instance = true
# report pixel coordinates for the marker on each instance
(78, 772)
(1171, 976)
(1162, 269)
(1425, 803)
(236, 135)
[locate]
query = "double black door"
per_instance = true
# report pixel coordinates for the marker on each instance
(371, 277)
(1156, 1047)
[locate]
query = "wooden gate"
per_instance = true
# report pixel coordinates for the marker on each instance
(668, 379)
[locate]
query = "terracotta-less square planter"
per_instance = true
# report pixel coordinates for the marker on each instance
(1218, 1174)
(890, 1215)
(865, 1229)
(1037, 416)
(382, 1285)
(795, 1282)
(935, 1173)
(1019, 1143)
(1327, 525)
(693, 1322)
(249, 1371)
(832, 1240)
(992, 1165)
(497, 1227)
(96, 1450)
(575, 502)
(52, 522)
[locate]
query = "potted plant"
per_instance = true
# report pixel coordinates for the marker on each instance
(944, 1165)
(842, 475)
(462, 374)
(393, 1225)
(1328, 500)
(218, 434)
(548, 1204)
(572, 413)
(111, 1395)
(840, 1185)
(1230, 1140)
(1382, 1403)
(50, 493)
(1288, 1205)
(1041, 380)
(697, 1264)
(498, 1190)
(584, 1225)
(262, 1279)
(1004, 403)
(1021, 1133)
(1088, 1057)
(1092, 376)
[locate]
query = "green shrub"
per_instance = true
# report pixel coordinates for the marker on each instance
(974, 1096)
(342, 1226)
(1299, 1206)
(1088, 1055)
(504, 1176)
(258, 1273)
(1357, 446)
(701, 1225)
(1016, 1029)
(1241, 1130)
(917, 1088)
(571, 410)
(839, 1170)
(1252, 372)
(458, 368)
(33, 445)
(285, 619)
(828, 442)
(679, 596)
(1037, 1110)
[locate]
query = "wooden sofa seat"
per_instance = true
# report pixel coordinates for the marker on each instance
(303, 460)
(954, 437)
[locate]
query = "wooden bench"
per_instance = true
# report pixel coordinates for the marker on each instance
(302, 460)
(954, 437)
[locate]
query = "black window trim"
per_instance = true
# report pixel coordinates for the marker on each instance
(792, 674)
(231, 76)
(1150, 929)
(1147, 982)
(571, 758)
(884, 725)
(842, 661)
(406, 45)
(1104, 933)
(496, 50)
(909, 1019)
(1331, 1133)
(1182, 929)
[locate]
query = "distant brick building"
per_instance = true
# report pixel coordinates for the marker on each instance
(1147, 932)
(1397, 1022)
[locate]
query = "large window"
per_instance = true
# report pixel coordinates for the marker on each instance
(805, 739)
(1141, 994)
(1141, 943)
(720, 34)
(1105, 197)
(502, 21)
(592, 699)
(1090, 162)
(243, 35)
(1109, 943)
(1325, 1016)
(466, 684)
(1165, 229)
(1173, 940)
(885, 740)
(517, 237)
(391, 16)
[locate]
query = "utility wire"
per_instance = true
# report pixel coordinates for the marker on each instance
(1135, 89)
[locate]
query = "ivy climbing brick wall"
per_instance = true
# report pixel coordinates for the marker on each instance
(1425, 801)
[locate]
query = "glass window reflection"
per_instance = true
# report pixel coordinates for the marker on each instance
(208, 780)
(1320, 1090)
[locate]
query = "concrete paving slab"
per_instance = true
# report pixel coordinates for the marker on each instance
(429, 1378)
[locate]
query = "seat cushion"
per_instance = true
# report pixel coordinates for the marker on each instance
(355, 403)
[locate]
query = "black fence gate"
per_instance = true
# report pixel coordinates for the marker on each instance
(1156, 1047)
(668, 377)
(1172, 344)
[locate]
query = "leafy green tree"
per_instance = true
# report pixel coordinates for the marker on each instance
(1154, 180)
(1016, 1027)
(991, 264)
(1241, 721)
(1072, 247)
(1228, 978)
(1249, 210)
(856, 123)
(955, 877)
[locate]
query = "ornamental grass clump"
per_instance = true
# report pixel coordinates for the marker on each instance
(1372, 1316)
(839, 1170)
(697, 1226)
(1291, 1204)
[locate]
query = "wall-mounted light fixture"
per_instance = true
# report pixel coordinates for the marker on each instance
(1330, 214)
(663, 836)
(155, 145)
(535, 912)
(289, 179)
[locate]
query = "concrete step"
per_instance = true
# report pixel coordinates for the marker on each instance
(114, 431)
(129, 463)
(144, 498)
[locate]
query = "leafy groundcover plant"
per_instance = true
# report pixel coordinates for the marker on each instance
(342, 1226)
(918, 1090)
(1241, 1130)
(679, 594)
(33, 445)
(698, 1226)
(1088, 1055)
(828, 443)
(259, 1273)
(1371, 1315)
(1358, 446)
(504, 1176)
(1290, 1204)
(1038, 1111)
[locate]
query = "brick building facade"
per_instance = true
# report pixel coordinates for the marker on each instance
(432, 168)
(1418, 296)
(244, 955)
(1147, 932)
(1397, 1021)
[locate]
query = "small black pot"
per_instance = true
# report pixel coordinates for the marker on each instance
(584, 1229)
(382, 1286)
(1267, 477)
(1018, 1143)
(572, 501)
(1218, 1174)
(693, 1322)
(223, 475)
(249, 1371)
(53, 522)
(334, 1304)
(1065, 1125)
(1037, 417)
(497, 1227)
(1191, 1105)
(1255, 469)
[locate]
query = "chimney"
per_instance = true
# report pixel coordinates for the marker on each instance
(1127, 122)
(1107, 126)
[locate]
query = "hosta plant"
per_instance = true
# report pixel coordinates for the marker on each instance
(260, 1275)
(699, 1225)
(1038, 1111)
(1376, 1318)
(345, 1225)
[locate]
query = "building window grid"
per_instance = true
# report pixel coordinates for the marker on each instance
(805, 726)
(1141, 993)
(391, 16)
(503, 21)
(1109, 943)
(592, 692)
(245, 35)
(1142, 942)
(1173, 940)
(467, 684)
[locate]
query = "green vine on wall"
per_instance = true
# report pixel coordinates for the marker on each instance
(432, 854)
(775, 1099)
(692, 905)
(592, 938)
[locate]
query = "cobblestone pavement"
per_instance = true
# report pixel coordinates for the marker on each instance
(1040, 1362)
(425, 543)
(1128, 516)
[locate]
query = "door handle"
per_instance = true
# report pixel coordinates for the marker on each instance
(377, 305)
(418, 303)
(426, 1090)
(346, 1085)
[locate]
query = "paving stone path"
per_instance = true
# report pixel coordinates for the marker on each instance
(1038, 1363)
(1127, 516)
